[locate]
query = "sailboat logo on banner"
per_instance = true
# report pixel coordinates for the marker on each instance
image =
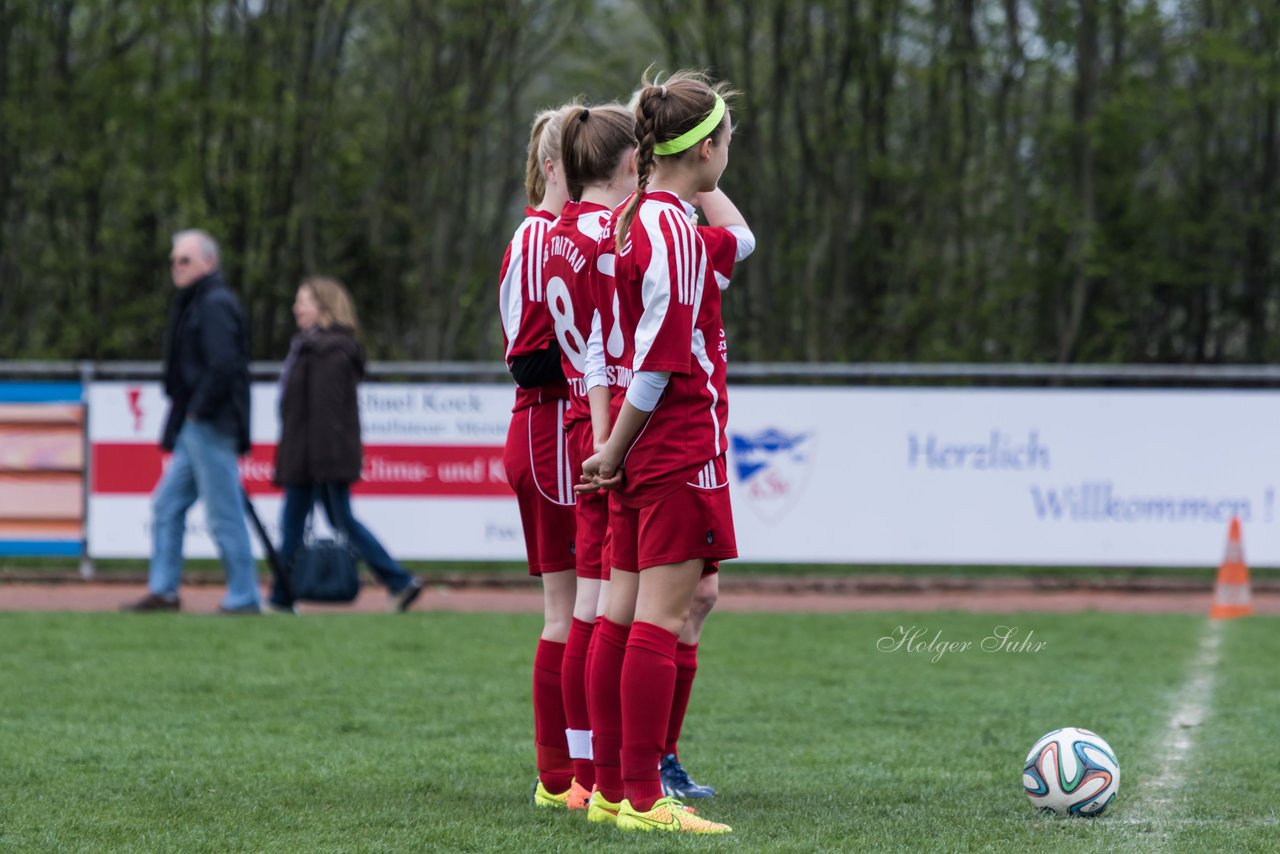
(772, 468)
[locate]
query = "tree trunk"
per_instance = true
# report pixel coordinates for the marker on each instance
(1084, 107)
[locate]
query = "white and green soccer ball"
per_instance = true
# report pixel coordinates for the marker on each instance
(1072, 772)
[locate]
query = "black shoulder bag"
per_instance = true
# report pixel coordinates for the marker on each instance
(324, 569)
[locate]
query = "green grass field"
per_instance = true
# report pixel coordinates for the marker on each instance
(382, 733)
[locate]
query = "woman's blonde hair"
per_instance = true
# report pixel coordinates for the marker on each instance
(334, 301)
(544, 145)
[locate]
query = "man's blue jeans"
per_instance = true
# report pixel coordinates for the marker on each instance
(203, 466)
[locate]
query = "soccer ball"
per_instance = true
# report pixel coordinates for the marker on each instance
(1071, 771)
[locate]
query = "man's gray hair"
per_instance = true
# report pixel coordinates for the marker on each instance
(208, 246)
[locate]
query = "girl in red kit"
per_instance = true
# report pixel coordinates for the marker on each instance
(597, 151)
(536, 454)
(665, 455)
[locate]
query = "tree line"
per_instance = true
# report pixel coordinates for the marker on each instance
(928, 180)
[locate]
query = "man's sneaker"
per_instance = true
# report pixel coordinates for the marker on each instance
(579, 796)
(153, 603)
(543, 798)
(676, 782)
(667, 814)
(270, 607)
(602, 811)
(402, 600)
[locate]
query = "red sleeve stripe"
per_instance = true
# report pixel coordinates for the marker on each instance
(677, 229)
(533, 259)
(509, 293)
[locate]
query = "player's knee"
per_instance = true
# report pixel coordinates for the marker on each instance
(556, 627)
(704, 599)
(585, 611)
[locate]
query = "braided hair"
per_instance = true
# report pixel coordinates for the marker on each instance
(664, 112)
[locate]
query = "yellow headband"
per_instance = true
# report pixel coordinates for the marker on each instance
(690, 138)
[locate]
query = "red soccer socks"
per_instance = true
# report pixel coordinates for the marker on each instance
(604, 699)
(555, 769)
(648, 685)
(573, 689)
(686, 669)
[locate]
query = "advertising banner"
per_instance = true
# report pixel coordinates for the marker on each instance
(1013, 476)
(433, 485)
(41, 468)
(946, 476)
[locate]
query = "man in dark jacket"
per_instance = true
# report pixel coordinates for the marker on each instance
(206, 377)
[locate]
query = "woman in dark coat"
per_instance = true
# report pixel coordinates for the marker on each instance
(320, 454)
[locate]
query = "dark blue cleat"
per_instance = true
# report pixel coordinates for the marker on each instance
(676, 782)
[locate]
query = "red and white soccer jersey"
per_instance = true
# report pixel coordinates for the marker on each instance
(667, 303)
(568, 274)
(536, 456)
(527, 326)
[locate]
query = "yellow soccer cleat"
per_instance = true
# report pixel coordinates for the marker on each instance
(579, 797)
(543, 798)
(667, 814)
(602, 811)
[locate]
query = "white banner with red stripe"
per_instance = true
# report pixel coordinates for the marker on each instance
(433, 485)
(948, 476)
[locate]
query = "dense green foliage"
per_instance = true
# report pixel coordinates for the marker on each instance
(1029, 180)
(385, 733)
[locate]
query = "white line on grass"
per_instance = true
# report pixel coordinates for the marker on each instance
(1190, 708)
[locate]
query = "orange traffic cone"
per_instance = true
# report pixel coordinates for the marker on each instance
(1231, 595)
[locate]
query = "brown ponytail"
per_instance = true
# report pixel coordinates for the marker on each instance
(593, 144)
(664, 112)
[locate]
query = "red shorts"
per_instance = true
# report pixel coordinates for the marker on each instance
(537, 462)
(592, 508)
(686, 524)
(620, 542)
